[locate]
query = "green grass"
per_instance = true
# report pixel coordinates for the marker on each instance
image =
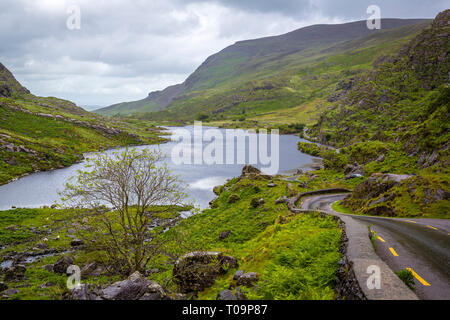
(337, 206)
(296, 256)
(407, 277)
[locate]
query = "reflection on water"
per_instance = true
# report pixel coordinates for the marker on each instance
(42, 188)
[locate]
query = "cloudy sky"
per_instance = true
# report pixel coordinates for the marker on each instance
(127, 48)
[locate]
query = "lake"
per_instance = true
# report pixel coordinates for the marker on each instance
(41, 189)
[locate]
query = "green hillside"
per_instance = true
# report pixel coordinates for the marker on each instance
(273, 79)
(38, 134)
(395, 119)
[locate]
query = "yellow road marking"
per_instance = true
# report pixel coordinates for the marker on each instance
(393, 252)
(432, 227)
(418, 277)
(381, 239)
(411, 221)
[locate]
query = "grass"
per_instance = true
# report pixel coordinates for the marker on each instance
(337, 206)
(295, 256)
(407, 277)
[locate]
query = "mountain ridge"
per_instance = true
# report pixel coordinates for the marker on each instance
(240, 57)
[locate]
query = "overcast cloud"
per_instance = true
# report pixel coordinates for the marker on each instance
(127, 48)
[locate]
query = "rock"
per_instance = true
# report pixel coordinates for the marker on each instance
(237, 275)
(381, 158)
(271, 185)
(48, 284)
(93, 269)
(224, 234)
(373, 203)
(281, 200)
(354, 169)
(233, 198)
(11, 161)
(3, 286)
(353, 176)
(256, 202)
(42, 246)
(226, 295)
(248, 169)
(62, 264)
(197, 271)
(155, 291)
(248, 279)
(85, 292)
(9, 293)
(48, 267)
(240, 295)
(131, 289)
(76, 243)
(218, 190)
(16, 272)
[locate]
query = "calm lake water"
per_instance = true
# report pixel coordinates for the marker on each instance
(42, 188)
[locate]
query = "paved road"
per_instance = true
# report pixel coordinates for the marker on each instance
(423, 245)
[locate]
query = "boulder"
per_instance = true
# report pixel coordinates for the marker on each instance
(16, 272)
(76, 243)
(248, 279)
(281, 200)
(238, 274)
(93, 269)
(197, 271)
(62, 264)
(226, 295)
(132, 288)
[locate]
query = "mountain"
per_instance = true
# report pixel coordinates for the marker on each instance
(394, 119)
(230, 80)
(38, 134)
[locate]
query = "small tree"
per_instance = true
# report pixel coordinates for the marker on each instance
(137, 190)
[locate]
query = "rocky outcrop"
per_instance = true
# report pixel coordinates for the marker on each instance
(197, 271)
(14, 273)
(248, 279)
(62, 264)
(136, 287)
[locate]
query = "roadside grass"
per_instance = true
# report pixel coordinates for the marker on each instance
(338, 207)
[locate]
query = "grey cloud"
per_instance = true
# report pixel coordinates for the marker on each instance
(127, 48)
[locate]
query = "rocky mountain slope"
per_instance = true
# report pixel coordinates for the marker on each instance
(262, 71)
(395, 120)
(39, 134)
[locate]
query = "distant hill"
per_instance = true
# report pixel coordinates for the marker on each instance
(257, 64)
(38, 134)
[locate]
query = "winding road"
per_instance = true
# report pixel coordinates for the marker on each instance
(419, 245)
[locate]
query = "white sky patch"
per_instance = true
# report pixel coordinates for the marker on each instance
(125, 49)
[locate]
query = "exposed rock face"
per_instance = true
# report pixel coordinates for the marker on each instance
(197, 271)
(377, 185)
